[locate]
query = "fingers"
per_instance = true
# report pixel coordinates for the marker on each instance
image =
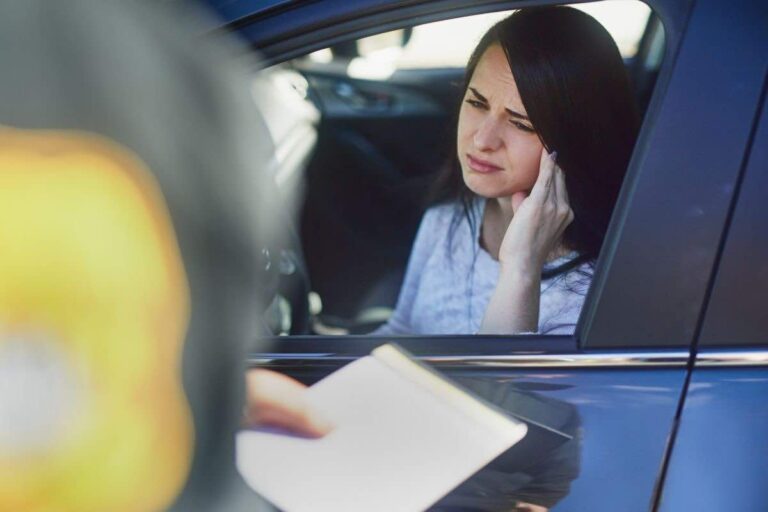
(276, 400)
(300, 422)
(529, 507)
(562, 189)
(560, 197)
(543, 186)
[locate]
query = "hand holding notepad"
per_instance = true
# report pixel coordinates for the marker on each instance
(404, 437)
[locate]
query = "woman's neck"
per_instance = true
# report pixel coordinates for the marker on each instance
(503, 209)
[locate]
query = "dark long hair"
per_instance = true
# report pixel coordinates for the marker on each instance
(576, 92)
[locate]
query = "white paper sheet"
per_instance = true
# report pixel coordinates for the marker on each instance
(395, 447)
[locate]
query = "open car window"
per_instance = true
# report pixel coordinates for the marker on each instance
(385, 122)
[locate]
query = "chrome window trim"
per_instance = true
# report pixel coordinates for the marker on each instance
(670, 359)
(734, 357)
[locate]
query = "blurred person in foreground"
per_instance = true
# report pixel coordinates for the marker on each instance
(133, 216)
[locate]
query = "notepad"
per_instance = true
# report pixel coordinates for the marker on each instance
(404, 437)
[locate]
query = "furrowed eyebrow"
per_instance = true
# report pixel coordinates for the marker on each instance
(479, 96)
(517, 114)
(511, 112)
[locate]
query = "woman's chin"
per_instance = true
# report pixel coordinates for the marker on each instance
(488, 185)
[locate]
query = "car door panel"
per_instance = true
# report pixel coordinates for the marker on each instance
(719, 458)
(619, 407)
(625, 420)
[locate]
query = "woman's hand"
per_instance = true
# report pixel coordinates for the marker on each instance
(539, 220)
(536, 228)
(276, 400)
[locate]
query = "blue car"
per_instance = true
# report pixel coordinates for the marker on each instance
(658, 401)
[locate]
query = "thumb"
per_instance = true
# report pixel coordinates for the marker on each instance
(517, 200)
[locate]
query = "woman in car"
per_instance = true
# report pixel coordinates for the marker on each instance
(545, 130)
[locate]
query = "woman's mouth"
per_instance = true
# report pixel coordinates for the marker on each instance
(481, 166)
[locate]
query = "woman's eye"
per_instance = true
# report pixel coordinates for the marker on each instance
(522, 126)
(476, 103)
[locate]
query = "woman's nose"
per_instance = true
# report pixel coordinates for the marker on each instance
(487, 136)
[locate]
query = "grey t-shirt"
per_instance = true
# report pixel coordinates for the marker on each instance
(450, 279)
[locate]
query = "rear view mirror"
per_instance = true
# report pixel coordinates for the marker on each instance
(391, 41)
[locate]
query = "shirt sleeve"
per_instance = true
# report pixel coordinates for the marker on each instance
(426, 237)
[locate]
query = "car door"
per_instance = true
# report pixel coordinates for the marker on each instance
(615, 389)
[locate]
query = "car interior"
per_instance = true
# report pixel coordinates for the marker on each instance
(357, 144)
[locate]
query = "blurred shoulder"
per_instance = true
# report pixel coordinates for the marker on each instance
(442, 214)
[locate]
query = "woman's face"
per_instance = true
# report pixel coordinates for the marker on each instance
(498, 148)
